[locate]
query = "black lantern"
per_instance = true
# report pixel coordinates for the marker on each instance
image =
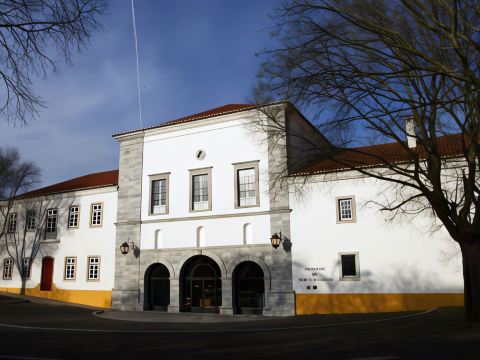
(276, 240)
(124, 248)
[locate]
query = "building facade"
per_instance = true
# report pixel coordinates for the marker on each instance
(197, 201)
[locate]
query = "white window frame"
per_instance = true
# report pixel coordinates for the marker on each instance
(73, 216)
(91, 264)
(197, 172)
(70, 264)
(357, 267)
(27, 264)
(7, 268)
(93, 215)
(237, 167)
(29, 218)
(12, 223)
(338, 201)
(160, 209)
(51, 214)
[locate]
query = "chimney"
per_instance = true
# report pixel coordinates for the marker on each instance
(410, 130)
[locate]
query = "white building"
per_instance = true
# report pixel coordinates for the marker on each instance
(197, 204)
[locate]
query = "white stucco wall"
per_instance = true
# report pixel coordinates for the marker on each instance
(80, 242)
(226, 140)
(402, 256)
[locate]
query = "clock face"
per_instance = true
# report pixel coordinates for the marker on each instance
(200, 155)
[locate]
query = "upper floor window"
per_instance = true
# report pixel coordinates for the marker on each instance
(12, 222)
(51, 221)
(31, 220)
(159, 194)
(73, 215)
(200, 189)
(246, 184)
(7, 269)
(346, 209)
(96, 216)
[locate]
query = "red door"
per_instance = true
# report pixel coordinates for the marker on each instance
(47, 274)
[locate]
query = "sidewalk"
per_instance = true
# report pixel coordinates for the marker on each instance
(12, 298)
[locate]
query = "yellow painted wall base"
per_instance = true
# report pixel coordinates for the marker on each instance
(364, 303)
(97, 298)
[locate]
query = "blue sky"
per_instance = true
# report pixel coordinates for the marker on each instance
(194, 55)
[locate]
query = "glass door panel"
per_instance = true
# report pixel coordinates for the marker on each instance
(197, 292)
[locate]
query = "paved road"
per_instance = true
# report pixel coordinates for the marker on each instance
(35, 332)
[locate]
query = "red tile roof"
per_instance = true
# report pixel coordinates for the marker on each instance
(90, 181)
(221, 110)
(376, 155)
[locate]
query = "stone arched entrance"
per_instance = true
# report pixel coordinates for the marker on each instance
(200, 285)
(157, 288)
(248, 288)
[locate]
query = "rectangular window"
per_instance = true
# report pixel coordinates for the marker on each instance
(73, 216)
(70, 267)
(93, 268)
(96, 219)
(350, 267)
(346, 209)
(246, 184)
(27, 267)
(12, 222)
(51, 226)
(200, 189)
(31, 215)
(7, 269)
(159, 194)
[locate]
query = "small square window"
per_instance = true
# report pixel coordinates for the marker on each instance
(346, 209)
(349, 266)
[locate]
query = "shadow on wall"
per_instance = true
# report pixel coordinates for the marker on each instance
(407, 290)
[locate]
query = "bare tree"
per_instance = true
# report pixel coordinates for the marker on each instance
(34, 35)
(16, 177)
(378, 71)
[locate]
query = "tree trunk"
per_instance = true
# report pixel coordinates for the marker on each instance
(471, 279)
(22, 288)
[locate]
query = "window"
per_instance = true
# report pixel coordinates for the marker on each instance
(51, 221)
(31, 215)
(96, 219)
(350, 267)
(70, 265)
(7, 269)
(73, 216)
(27, 267)
(12, 222)
(159, 194)
(200, 189)
(246, 184)
(93, 268)
(346, 209)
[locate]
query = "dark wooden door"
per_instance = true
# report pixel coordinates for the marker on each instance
(47, 274)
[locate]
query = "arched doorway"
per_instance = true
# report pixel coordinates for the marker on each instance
(248, 288)
(47, 274)
(201, 286)
(157, 288)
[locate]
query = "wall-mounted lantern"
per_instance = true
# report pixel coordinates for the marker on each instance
(276, 239)
(125, 247)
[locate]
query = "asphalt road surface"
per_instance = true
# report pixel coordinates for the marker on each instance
(31, 331)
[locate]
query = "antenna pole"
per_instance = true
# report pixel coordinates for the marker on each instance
(138, 67)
